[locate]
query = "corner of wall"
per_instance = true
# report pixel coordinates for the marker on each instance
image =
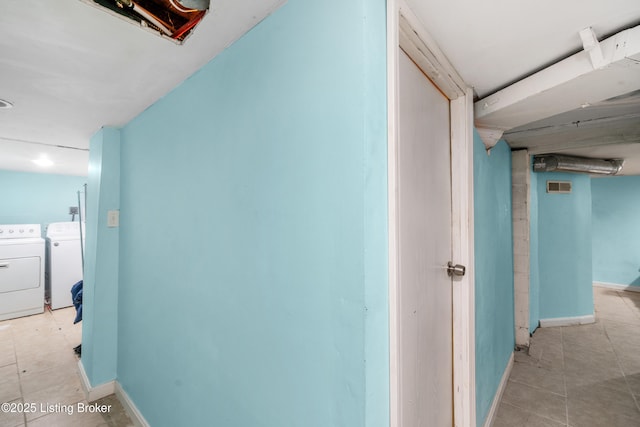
(494, 271)
(100, 293)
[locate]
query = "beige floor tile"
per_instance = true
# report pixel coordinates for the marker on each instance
(548, 335)
(536, 401)
(624, 348)
(599, 365)
(592, 369)
(8, 373)
(601, 406)
(621, 330)
(64, 316)
(64, 419)
(524, 357)
(60, 359)
(74, 338)
(31, 323)
(630, 363)
(5, 332)
(7, 354)
(33, 381)
(10, 389)
(511, 416)
(38, 343)
(545, 350)
(38, 365)
(620, 316)
(536, 376)
(573, 346)
(116, 416)
(9, 384)
(549, 357)
(12, 419)
(612, 306)
(634, 385)
(66, 393)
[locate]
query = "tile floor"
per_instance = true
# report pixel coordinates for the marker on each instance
(580, 376)
(576, 376)
(38, 366)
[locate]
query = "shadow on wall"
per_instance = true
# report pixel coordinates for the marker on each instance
(636, 282)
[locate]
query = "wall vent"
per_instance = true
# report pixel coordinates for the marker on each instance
(559, 187)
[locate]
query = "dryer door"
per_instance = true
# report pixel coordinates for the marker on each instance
(18, 274)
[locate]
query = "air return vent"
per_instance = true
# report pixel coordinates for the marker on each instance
(563, 187)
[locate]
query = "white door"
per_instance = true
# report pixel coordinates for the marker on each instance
(424, 242)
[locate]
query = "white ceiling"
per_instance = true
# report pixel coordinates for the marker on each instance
(497, 44)
(494, 43)
(70, 68)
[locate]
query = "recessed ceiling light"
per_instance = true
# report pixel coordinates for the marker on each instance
(43, 161)
(5, 104)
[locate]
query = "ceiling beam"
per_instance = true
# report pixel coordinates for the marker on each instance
(569, 84)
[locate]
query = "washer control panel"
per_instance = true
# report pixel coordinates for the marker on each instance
(19, 231)
(63, 229)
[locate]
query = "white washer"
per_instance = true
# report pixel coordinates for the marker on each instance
(64, 263)
(21, 270)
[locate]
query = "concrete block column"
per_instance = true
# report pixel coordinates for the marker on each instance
(521, 216)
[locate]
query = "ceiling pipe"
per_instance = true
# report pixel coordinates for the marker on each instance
(146, 15)
(561, 163)
(151, 18)
(195, 4)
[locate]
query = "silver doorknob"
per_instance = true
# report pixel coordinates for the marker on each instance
(456, 270)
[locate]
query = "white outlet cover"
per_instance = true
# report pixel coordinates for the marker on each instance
(113, 218)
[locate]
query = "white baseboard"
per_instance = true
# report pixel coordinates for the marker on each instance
(130, 407)
(112, 387)
(493, 411)
(94, 393)
(616, 286)
(567, 321)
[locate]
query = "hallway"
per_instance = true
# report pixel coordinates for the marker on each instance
(580, 376)
(38, 369)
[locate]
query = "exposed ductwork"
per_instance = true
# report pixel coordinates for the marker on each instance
(193, 4)
(174, 19)
(561, 163)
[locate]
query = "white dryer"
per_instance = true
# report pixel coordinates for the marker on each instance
(21, 270)
(64, 262)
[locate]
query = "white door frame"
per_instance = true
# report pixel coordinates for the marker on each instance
(405, 29)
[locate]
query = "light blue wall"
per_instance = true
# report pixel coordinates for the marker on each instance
(564, 247)
(495, 338)
(38, 198)
(616, 230)
(253, 251)
(100, 290)
(534, 263)
(375, 232)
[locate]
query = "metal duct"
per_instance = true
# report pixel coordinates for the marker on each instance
(560, 163)
(195, 4)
